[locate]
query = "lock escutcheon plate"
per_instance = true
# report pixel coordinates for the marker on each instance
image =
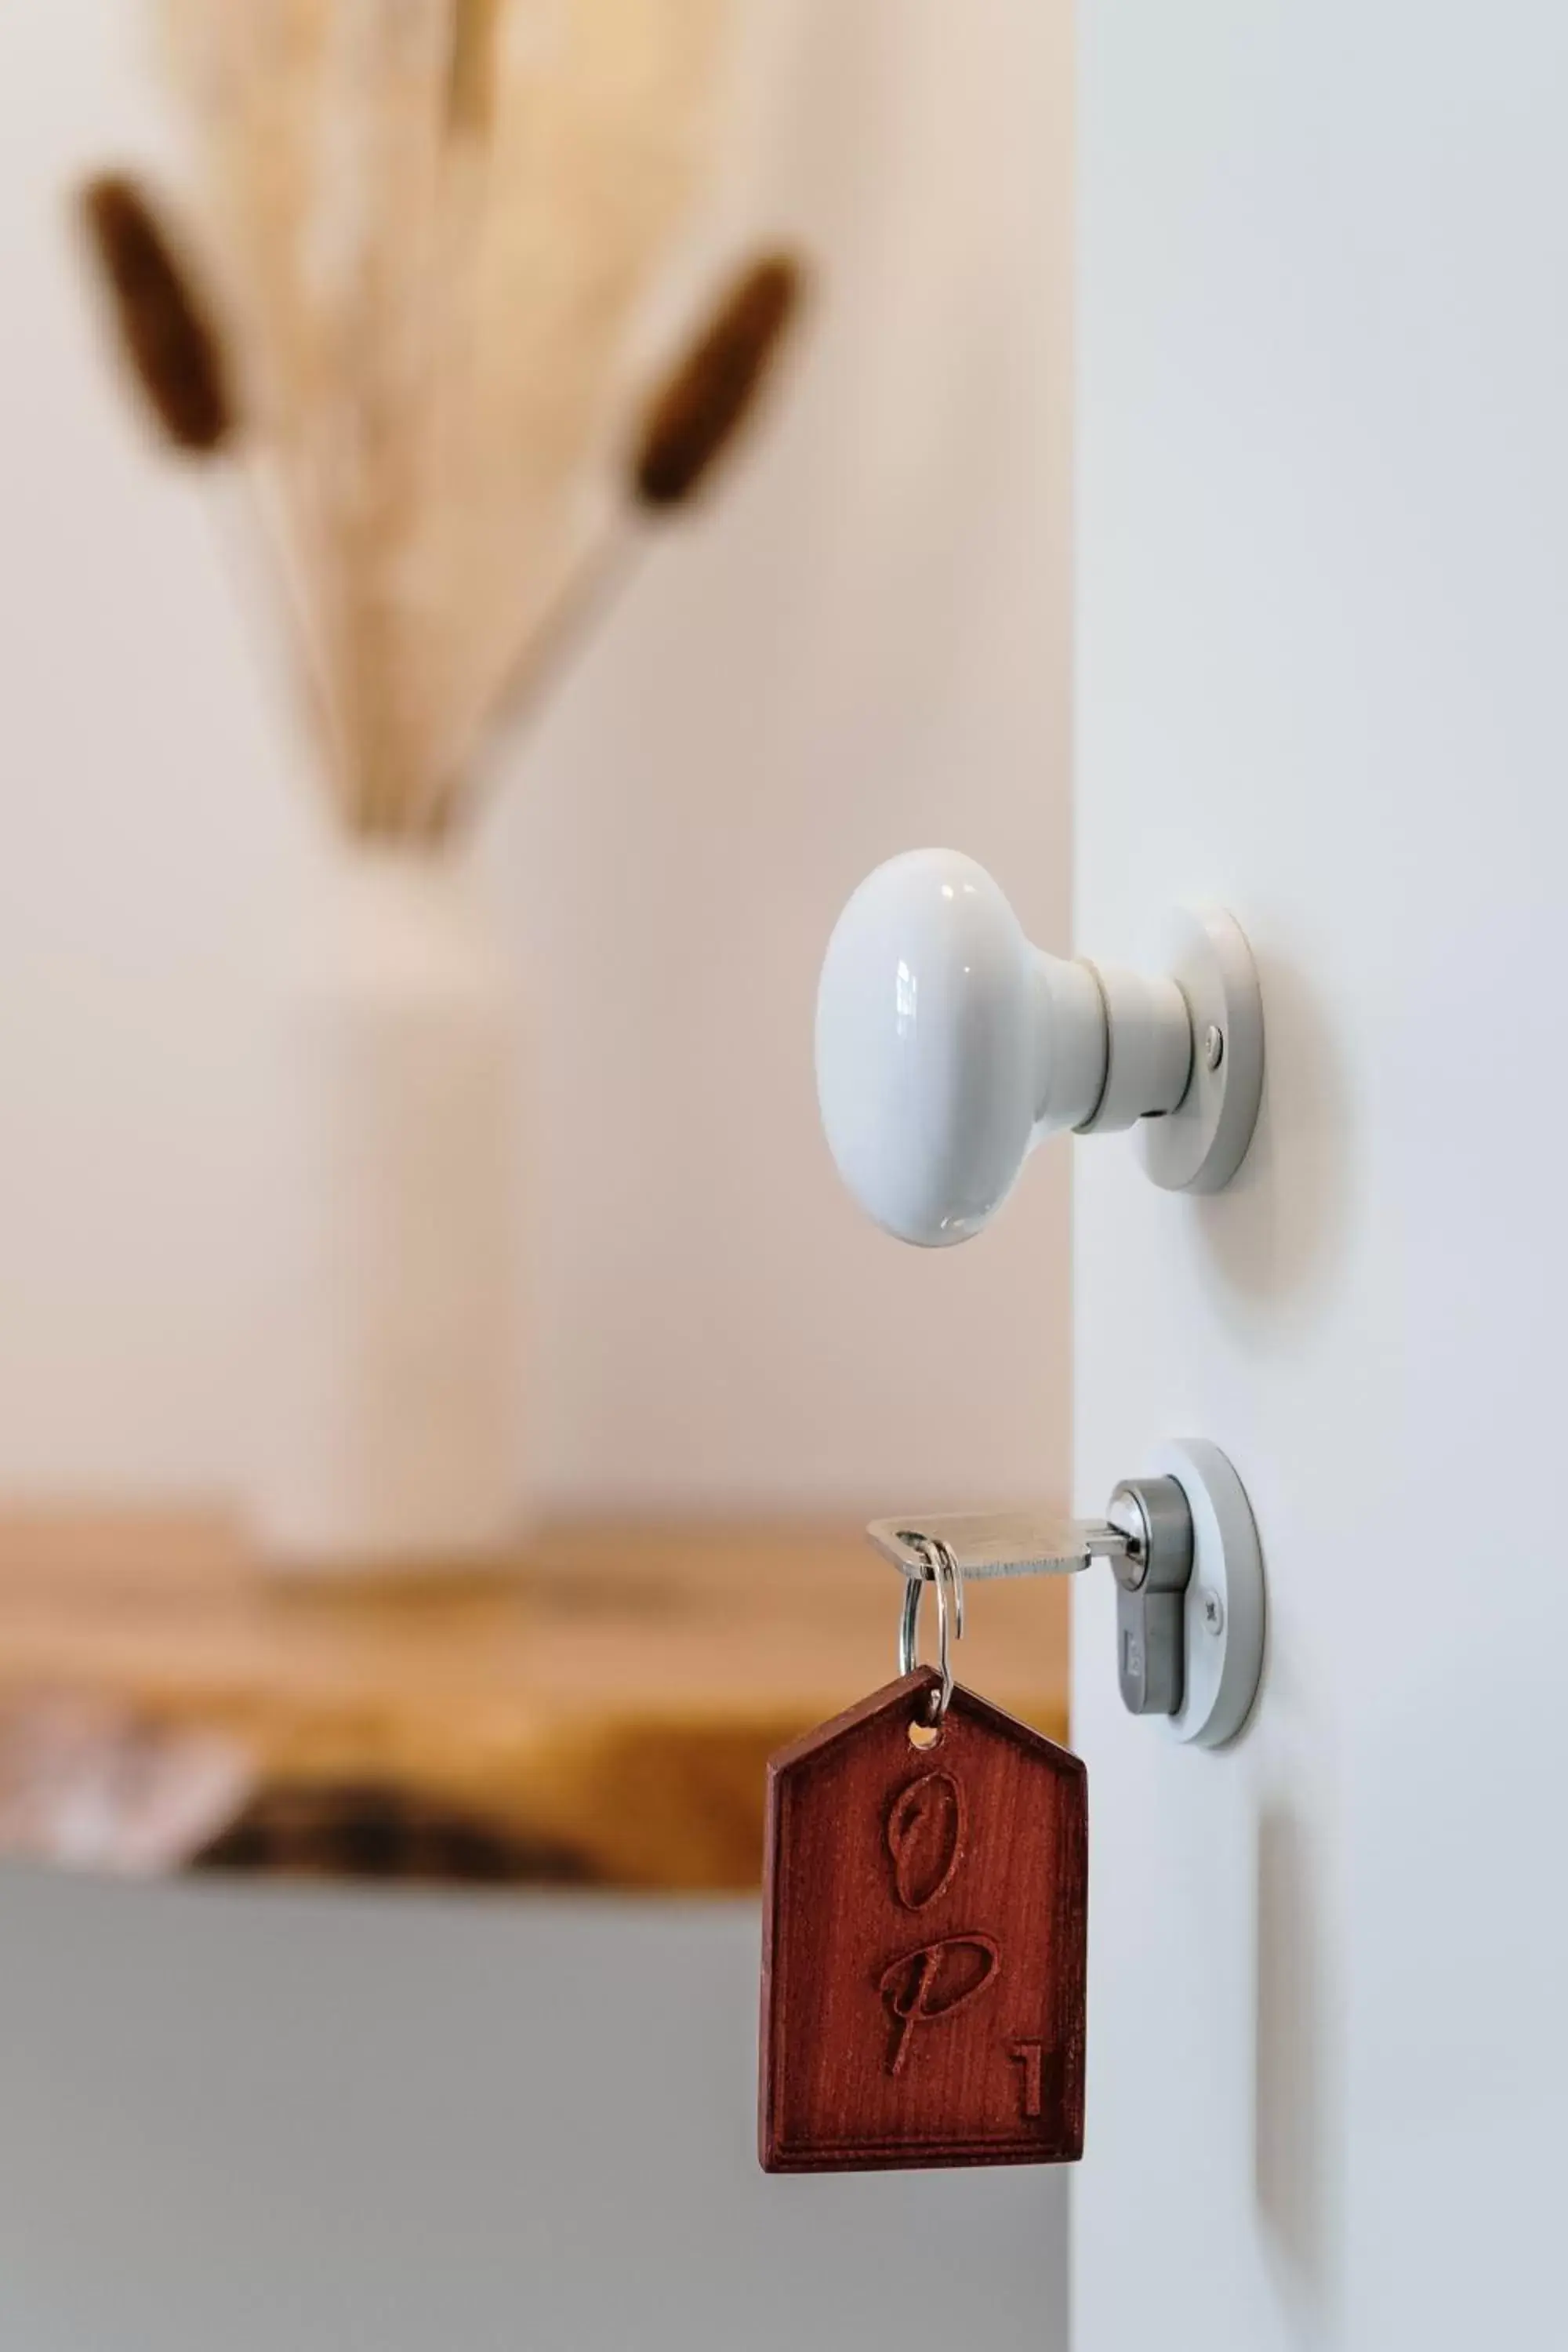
(1225, 1607)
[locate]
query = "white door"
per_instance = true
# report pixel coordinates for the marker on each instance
(1323, 678)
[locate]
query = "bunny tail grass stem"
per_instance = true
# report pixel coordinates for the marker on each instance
(694, 417)
(255, 529)
(575, 612)
(471, 74)
(170, 343)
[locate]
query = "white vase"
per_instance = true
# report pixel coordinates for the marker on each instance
(388, 1407)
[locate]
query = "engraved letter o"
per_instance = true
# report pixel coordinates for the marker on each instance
(925, 1838)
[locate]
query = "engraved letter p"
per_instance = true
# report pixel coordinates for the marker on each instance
(935, 1981)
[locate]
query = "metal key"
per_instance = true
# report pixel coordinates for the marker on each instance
(1016, 1543)
(1146, 1534)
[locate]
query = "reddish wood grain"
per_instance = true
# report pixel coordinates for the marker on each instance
(924, 1928)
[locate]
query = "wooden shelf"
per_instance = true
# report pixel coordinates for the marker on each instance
(605, 1708)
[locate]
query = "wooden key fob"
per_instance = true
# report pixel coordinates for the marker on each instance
(924, 1923)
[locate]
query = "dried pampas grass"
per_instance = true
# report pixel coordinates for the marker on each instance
(436, 224)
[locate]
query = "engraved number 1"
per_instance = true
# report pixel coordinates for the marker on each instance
(1030, 2057)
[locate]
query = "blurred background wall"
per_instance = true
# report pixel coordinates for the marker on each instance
(860, 648)
(530, 2122)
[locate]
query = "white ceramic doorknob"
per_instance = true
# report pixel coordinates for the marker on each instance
(947, 1046)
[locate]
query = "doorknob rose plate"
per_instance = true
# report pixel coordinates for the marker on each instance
(948, 1046)
(1200, 1145)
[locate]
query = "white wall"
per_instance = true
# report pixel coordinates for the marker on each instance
(863, 647)
(1323, 508)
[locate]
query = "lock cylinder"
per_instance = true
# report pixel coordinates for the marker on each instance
(1151, 1574)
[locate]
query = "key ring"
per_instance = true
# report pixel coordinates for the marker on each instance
(943, 1570)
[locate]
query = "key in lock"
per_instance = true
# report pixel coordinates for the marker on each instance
(1147, 1537)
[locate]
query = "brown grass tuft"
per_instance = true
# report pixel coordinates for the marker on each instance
(170, 345)
(697, 413)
